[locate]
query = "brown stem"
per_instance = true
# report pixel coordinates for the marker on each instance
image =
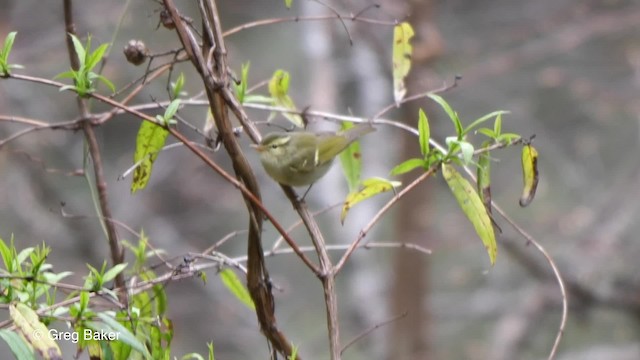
(117, 252)
(210, 62)
(327, 274)
(365, 230)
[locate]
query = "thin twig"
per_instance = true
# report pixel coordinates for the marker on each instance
(192, 148)
(556, 273)
(117, 252)
(372, 329)
(274, 21)
(365, 230)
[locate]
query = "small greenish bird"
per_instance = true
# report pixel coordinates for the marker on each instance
(300, 158)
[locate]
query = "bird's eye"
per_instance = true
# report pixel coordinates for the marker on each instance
(274, 146)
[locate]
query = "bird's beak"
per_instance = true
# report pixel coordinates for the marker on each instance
(258, 147)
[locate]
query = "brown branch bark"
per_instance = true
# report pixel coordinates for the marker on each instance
(116, 250)
(210, 62)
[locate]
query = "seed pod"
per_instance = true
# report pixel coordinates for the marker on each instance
(136, 52)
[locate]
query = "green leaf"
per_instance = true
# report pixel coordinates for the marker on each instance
(351, 161)
(466, 148)
(23, 255)
(8, 253)
(80, 51)
(113, 272)
(241, 89)
(210, 348)
(160, 299)
(55, 277)
(423, 132)
(487, 132)
(278, 89)
(483, 174)
(288, 3)
(96, 56)
(67, 74)
(472, 207)
(177, 87)
(111, 325)
(107, 82)
(497, 125)
(407, 166)
(34, 331)
(479, 121)
(4, 55)
(150, 140)
(8, 45)
(294, 354)
(529, 174)
(370, 187)
(171, 111)
(17, 344)
(258, 99)
(236, 287)
(508, 137)
(452, 114)
(402, 52)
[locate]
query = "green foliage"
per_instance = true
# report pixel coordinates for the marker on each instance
(496, 133)
(98, 278)
(429, 156)
(483, 175)
(460, 151)
(241, 88)
(140, 332)
(109, 325)
(149, 142)
(4, 55)
(294, 354)
(449, 111)
(236, 287)
(351, 161)
(84, 78)
(424, 133)
(34, 331)
(176, 88)
(369, 188)
(472, 207)
(279, 91)
(18, 345)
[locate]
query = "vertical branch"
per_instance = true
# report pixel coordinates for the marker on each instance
(327, 272)
(116, 250)
(210, 62)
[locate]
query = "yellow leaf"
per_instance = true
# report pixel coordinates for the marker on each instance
(402, 51)
(529, 174)
(34, 331)
(370, 187)
(473, 208)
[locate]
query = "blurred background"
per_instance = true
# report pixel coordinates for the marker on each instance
(567, 70)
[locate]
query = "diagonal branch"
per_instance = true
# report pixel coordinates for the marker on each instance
(210, 62)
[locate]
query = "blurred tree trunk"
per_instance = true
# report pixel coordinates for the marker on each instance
(410, 287)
